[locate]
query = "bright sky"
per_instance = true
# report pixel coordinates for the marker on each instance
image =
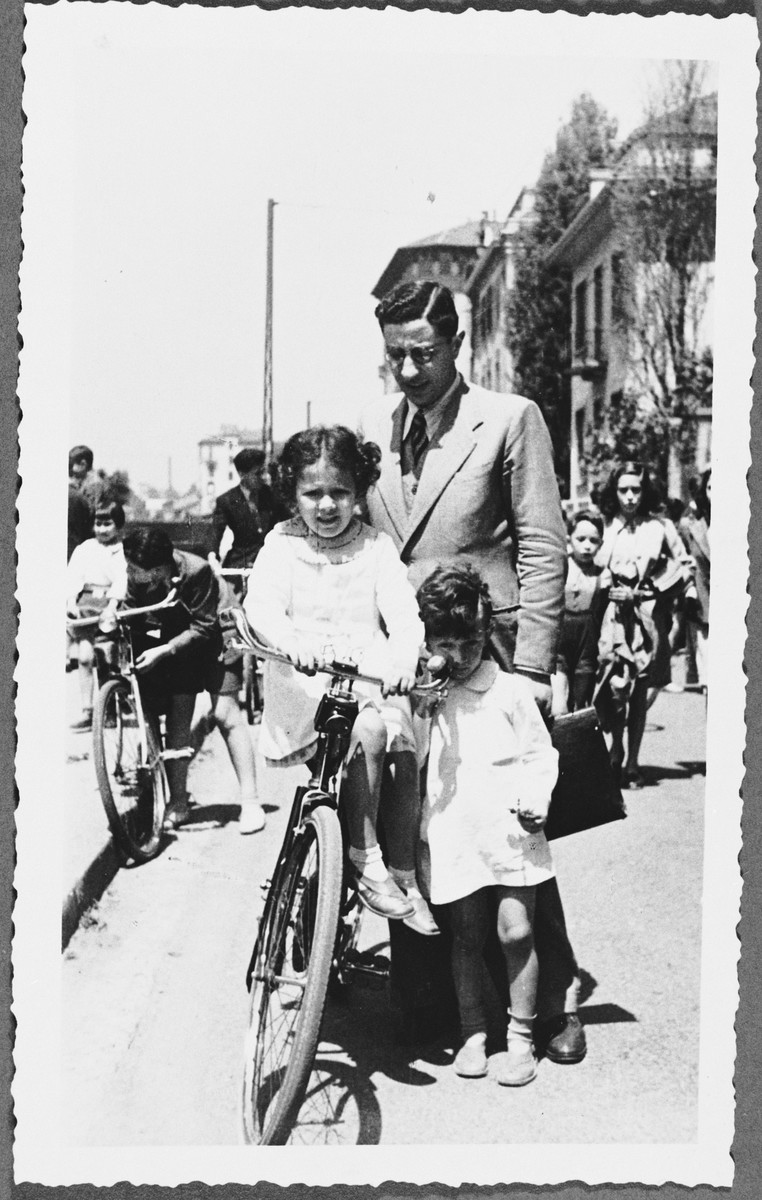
(155, 137)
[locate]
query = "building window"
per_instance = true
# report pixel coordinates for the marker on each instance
(580, 320)
(579, 422)
(617, 289)
(598, 313)
(485, 320)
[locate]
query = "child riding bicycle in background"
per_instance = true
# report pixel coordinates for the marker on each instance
(180, 652)
(491, 770)
(95, 573)
(327, 586)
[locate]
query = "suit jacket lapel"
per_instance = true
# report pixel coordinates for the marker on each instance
(389, 486)
(446, 454)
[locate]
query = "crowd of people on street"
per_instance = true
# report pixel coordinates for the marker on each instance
(435, 530)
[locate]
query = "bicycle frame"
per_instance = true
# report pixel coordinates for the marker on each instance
(308, 932)
(334, 719)
(125, 659)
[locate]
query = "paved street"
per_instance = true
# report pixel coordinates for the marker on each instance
(154, 1004)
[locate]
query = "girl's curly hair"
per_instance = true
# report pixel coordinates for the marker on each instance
(651, 501)
(342, 448)
(449, 601)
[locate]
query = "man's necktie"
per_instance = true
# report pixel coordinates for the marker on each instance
(418, 441)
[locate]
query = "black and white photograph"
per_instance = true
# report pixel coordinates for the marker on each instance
(386, 817)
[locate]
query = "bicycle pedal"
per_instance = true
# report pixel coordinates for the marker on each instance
(368, 968)
(182, 752)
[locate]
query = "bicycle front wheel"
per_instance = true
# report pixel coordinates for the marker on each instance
(129, 770)
(290, 981)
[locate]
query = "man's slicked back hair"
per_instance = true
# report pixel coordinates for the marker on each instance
(418, 300)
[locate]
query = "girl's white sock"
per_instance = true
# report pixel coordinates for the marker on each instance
(369, 862)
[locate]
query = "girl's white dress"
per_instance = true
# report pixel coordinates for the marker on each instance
(350, 598)
(488, 750)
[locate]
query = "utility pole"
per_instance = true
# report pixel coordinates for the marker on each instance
(267, 419)
(309, 414)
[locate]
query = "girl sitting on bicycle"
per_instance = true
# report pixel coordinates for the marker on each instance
(95, 573)
(491, 769)
(327, 586)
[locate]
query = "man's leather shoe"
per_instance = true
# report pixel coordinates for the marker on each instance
(383, 897)
(421, 921)
(562, 1039)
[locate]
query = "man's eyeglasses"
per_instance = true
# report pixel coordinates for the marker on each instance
(420, 356)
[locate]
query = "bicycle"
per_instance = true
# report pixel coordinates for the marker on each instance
(308, 932)
(127, 744)
(252, 691)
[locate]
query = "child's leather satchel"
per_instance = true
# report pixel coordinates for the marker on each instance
(587, 793)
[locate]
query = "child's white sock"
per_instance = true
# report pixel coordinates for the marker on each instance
(369, 862)
(520, 1033)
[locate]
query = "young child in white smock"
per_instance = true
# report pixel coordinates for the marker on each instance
(491, 770)
(326, 586)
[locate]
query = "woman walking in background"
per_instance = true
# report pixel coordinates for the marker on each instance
(648, 567)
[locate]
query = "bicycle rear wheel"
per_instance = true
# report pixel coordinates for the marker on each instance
(290, 981)
(129, 770)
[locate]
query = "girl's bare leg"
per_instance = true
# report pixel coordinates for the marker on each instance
(85, 660)
(515, 929)
(235, 731)
(361, 786)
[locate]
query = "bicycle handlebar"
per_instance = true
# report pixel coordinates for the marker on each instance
(248, 643)
(125, 614)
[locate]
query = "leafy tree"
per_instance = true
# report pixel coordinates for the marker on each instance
(116, 486)
(540, 301)
(664, 204)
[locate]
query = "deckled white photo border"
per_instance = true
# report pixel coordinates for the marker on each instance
(39, 1156)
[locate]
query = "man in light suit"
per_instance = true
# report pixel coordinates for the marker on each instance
(467, 475)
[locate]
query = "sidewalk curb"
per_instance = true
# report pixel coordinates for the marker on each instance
(91, 885)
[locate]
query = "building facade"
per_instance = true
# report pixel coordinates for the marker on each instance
(606, 364)
(216, 472)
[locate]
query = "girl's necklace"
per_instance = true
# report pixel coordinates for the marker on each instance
(334, 543)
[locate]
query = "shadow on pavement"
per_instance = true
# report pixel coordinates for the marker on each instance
(605, 1014)
(681, 770)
